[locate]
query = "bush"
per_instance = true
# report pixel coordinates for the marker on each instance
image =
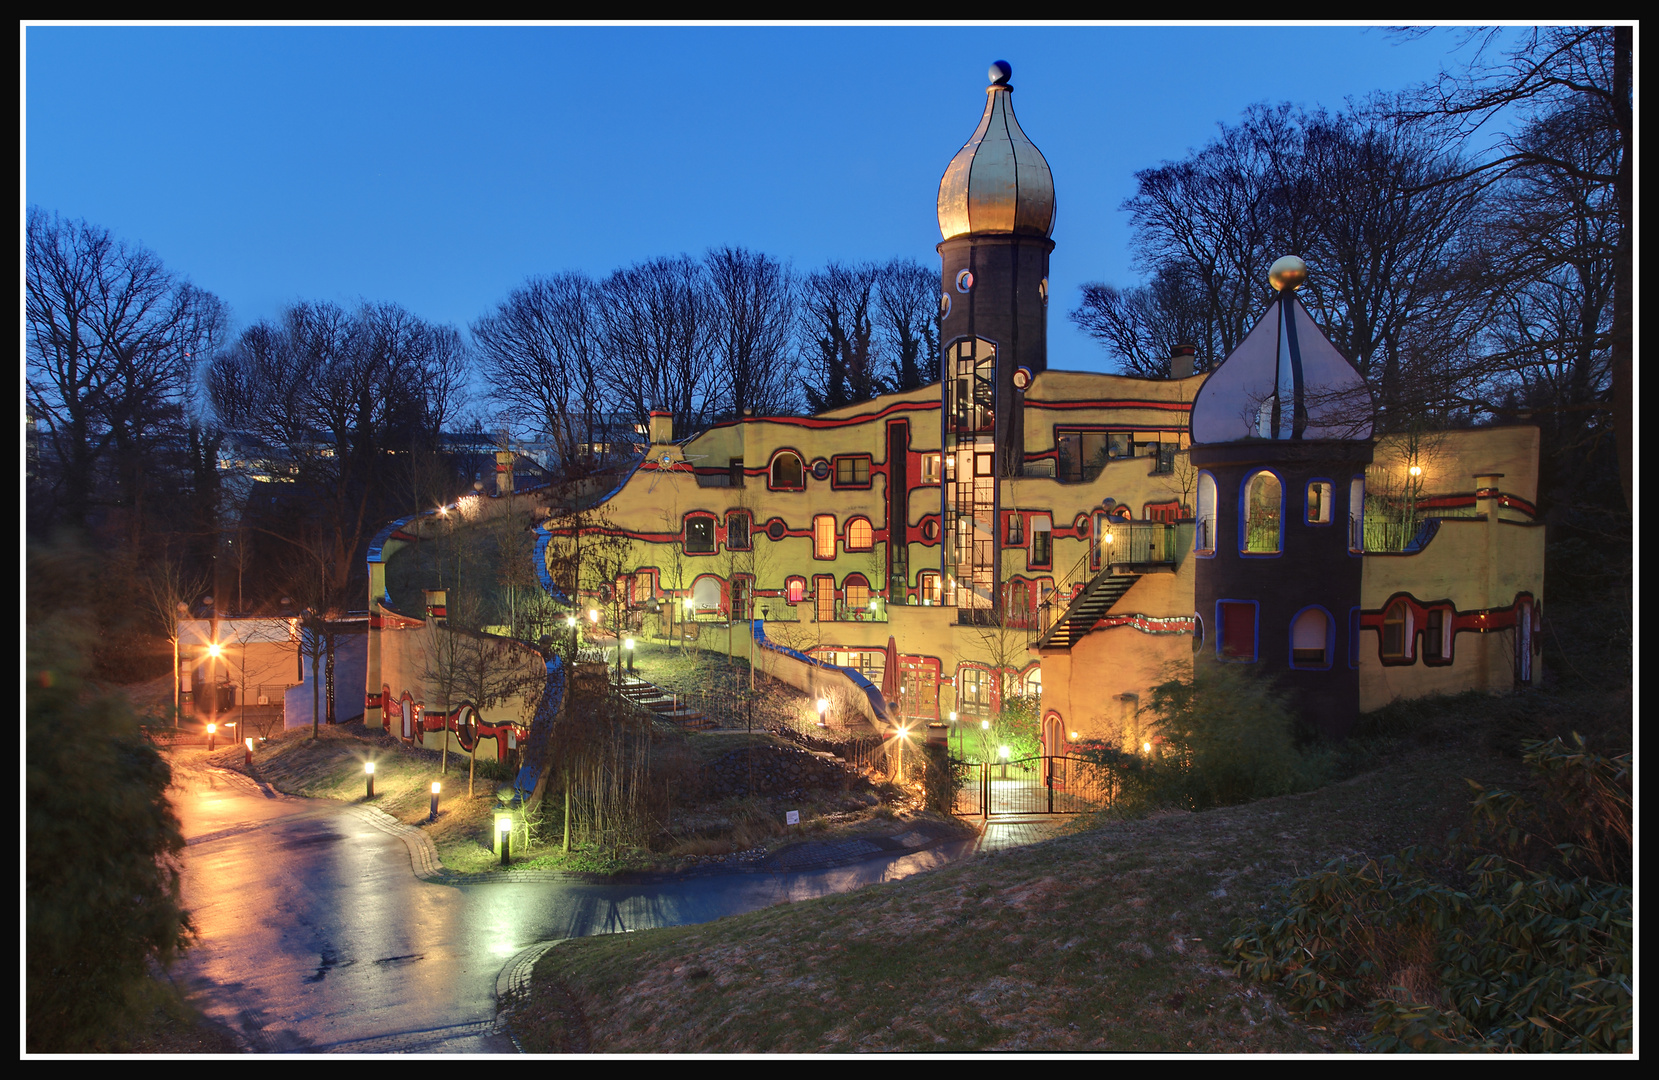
(102, 872)
(1224, 737)
(1530, 954)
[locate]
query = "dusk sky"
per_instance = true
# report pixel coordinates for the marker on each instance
(440, 167)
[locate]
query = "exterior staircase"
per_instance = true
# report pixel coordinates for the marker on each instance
(1086, 608)
(667, 706)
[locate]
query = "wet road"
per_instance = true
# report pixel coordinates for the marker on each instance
(317, 937)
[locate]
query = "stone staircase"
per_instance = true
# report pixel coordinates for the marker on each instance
(665, 704)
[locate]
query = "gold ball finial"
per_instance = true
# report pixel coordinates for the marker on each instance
(1289, 272)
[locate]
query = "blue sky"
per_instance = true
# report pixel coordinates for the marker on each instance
(439, 167)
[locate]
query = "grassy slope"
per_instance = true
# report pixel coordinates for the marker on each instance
(1103, 940)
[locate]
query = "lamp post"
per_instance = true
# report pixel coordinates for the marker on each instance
(368, 771)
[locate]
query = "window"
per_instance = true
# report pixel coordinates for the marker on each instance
(787, 472)
(1309, 639)
(1263, 503)
(794, 589)
(1356, 514)
(929, 587)
(974, 693)
(1237, 621)
(1166, 513)
(1042, 542)
(734, 469)
(823, 590)
(858, 593)
(1016, 530)
(705, 593)
(642, 590)
(737, 530)
(860, 535)
(1434, 629)
(699, 535)
(1204, 540)
(823, 536)
(853, 471)
(1319, 503)
(1166, 460)
(1396, 631)
(931, 464)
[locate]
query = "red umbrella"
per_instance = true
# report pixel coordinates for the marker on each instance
(890, 673)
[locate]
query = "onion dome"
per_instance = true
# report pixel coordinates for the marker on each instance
(998, 182)
(1285, 381)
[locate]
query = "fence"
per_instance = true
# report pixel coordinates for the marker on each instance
(1034, 785)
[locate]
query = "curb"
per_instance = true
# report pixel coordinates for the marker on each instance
(423, 855)
(513, 980)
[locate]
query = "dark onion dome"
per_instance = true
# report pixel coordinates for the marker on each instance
(1285, 381)
(998, 182)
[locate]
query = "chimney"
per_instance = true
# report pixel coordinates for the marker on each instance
(437, 603)
(503, 472)
(662, 427)
(1181, 360)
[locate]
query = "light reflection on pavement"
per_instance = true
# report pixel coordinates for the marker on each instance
(316, 936)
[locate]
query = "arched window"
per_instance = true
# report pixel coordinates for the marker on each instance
(794, 589)
(1356, 514)
(1204, 541)
(1310, 639)
(788, 474)
(823, 536)
(860, 536)
(1396, 631)
(1261, 512)
(705, 593)
(858, 594)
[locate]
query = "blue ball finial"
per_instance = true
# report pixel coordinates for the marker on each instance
(1001, 72)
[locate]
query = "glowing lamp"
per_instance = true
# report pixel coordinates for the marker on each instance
(368, 768)
(985, 725)
(628, 643)
(214, 650)
(1004, 751)
(1146, 747)
(593, 615)
(436, 787)
(1415, 470)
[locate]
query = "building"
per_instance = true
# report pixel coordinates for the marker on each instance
(1013, 529)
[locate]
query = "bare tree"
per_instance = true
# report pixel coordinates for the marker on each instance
(1141, 325)
(751, 308)
(655, 318)
(110, 343)
(908, 323)
(542, 345)
(839, 333)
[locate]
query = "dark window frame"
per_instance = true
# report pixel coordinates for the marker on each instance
(698, 518)
(853, 460)
(747, 530)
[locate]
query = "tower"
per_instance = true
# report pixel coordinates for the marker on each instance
(1281, 435)
(996, 211)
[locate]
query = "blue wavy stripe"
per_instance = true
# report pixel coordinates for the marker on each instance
(878, 701)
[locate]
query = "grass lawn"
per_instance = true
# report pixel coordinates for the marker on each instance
(1106, 939)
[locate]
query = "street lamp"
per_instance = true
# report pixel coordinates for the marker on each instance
(368, 771)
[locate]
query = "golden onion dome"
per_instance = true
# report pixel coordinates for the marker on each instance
(998, 182)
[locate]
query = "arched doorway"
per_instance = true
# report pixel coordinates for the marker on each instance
(407, 707)
(1054, 735)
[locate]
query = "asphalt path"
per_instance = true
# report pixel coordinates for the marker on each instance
(318, 937)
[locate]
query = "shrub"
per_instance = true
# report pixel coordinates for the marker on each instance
(1523, 958)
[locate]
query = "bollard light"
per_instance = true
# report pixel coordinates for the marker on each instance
(436, 787)
(504, 829)
(368, 771)
(593, 616)
(570, 621)
(953, 716)
(212, 729)
(1003, 750)
(823, 707)
(1146, 747)
(985, 725)
(248, 758)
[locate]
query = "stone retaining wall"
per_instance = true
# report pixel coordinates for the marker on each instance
(778, 770)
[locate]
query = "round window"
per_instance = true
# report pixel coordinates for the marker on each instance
(944, 305)
(1197, 632)
(930, 531)
(965, 281)
(1042, 291)
(775, 529)
(820, 469)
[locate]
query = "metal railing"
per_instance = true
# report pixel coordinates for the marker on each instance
(1035, 785)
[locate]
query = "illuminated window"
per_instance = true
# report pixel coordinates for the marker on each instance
(860, 536)
(1262, 511)
(930, 468)
(853, 471)
(974, 693)
(787, 472)
(1356, 514)
(823, 592)
(1319, 503)
(794, 589)
(1205, 539)
(858, 593)
(823, 536)
(931, 588)
(1396, 631)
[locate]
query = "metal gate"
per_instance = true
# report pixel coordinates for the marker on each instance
(1034, 785)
